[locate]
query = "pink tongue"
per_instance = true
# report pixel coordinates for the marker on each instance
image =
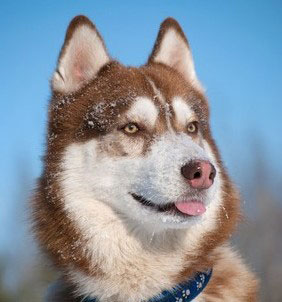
(193, 208)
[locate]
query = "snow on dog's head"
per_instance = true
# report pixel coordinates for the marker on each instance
(131, 145)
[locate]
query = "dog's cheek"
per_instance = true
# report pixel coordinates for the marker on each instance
(110, 146)
(120, 145)
(133, 147)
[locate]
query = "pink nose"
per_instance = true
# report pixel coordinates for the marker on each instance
(200, 174)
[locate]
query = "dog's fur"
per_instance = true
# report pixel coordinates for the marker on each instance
(104, 242)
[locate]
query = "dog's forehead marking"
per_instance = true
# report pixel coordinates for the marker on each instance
(144, 109)
(182, 110)
(161, 98)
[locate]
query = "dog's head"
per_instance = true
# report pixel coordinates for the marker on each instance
(136, 141)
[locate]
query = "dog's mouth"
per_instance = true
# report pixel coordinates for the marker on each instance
(183, 208)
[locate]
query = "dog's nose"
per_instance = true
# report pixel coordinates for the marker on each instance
(200, 174)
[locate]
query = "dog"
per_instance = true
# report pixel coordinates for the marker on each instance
(134, 203)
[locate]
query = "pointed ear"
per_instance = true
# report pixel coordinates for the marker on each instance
(81, 57)
(172, 48)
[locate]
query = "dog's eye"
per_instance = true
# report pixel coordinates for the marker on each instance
(131, 128)
(193, 127)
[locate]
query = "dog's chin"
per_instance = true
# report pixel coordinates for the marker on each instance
(157, 222)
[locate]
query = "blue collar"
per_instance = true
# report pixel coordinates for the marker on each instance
(184, 292)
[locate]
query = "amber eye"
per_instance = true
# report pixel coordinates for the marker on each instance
(192, 127)
(131, 128)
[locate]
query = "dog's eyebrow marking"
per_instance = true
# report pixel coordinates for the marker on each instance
(182, 111)
(144, 109)
(163, 102)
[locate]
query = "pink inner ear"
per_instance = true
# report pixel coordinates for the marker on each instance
(80, 65)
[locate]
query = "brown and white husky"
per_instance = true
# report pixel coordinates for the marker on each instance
(134, 199)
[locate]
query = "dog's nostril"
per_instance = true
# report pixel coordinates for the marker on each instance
(197, 175)
(213, 173)
(192, 170)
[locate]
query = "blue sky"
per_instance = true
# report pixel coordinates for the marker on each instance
(237, 47)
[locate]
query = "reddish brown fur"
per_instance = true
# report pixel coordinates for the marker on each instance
(55, 232)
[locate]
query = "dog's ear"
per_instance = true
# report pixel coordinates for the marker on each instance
(81, 57)
(172, 48)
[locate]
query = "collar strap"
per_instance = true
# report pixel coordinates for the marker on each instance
(183, 292)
